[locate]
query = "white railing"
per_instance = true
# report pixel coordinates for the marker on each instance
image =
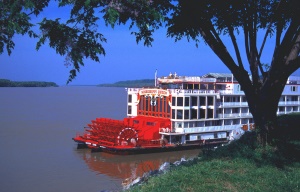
(191, 91)
(227, 104)
(226, 91)
(210, 128)
(234, 115)
(283, 103)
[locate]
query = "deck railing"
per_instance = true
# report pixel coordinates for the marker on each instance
(234, 115)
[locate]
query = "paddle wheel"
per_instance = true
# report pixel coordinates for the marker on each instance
(128, 133)
(127, 136)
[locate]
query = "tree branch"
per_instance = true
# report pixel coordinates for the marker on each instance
(246, 34)
(295, 47)
(283, 50)
(207, 31)
(252, 46)
(235, 45)
(293, 66)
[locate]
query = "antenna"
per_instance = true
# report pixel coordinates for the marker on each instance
(155, 77)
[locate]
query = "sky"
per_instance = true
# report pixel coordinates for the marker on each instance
(124, 59)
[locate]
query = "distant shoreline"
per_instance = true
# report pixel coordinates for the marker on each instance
(131, 83)
(127, 83)
(9, 83)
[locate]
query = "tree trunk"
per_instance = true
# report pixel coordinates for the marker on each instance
(265, 120)
(263, 104)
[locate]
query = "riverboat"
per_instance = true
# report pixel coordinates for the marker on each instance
(181, 112)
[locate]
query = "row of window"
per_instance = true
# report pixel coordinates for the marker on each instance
(204, 100)
(208, 123)
(289, 109)
(192, 114)
(192, 101)
(289, 98)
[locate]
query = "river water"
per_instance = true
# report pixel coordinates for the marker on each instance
(37, 150)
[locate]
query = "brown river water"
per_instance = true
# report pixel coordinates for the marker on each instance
(37, 150)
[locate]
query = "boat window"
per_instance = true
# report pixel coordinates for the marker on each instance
(194, 113)
(129, 98)
(294, 88)
(228, 122)
(244, 110)
(236, 121)
(192, 124)
(220, 87)
(186, 125)
(244, 99)
(294, 98)
(210, 101)
(235, 110)
(129, 109)
(147, 103)
(227, 99)
(202, 114)
(186, 114)
(210, 113)
(187, 101)
(202, 101)
(135, 121)
(207, 123)
(216, 123)
(173, 101)
(210, 86)
(203, 86)
(179, 101)
(173, 114)
(244, 121)
(150, 123)
(161, 104)
(200, 123)
(194, 101)
(179, 114)
(281, 109)
(178, 125)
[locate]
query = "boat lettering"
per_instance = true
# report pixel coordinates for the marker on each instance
(154, 91)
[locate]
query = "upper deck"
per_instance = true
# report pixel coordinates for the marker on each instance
(214, 83)
(216, 99)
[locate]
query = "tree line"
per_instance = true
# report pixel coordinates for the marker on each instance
(9, 83)
(131, 83)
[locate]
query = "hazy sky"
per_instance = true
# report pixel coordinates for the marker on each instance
(124, 60)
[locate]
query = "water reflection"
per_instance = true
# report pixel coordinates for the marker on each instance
(125, 169)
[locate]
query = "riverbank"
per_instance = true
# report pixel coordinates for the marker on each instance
(239, 166)
(9, 83)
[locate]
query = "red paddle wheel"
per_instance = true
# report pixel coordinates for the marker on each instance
(127, 136)
(128, 133)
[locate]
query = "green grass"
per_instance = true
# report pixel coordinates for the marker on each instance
(240, 166)
(226, 175)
